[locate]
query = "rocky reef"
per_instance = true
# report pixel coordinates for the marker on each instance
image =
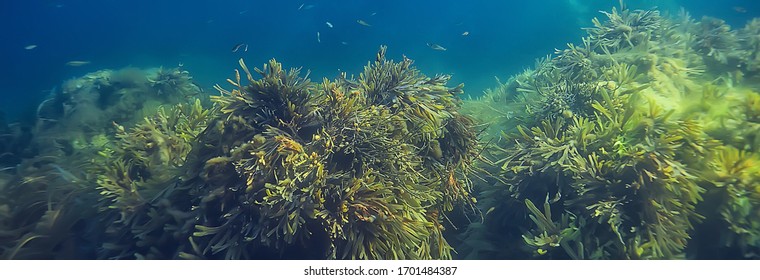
(48, 191)
(622, 147)
(346, 169)
(277, 167)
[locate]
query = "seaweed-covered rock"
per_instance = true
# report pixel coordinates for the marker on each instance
(625, 29)
(48, 191)
(718, 43)
(735, 175)
(87, 106)
(133, 173)
(617, 173)
(15, 144)
(749, 37)
(347, 169)
(621, 139)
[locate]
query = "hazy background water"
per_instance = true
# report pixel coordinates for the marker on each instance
(504, 36)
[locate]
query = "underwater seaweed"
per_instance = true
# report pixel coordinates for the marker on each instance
(625, 29)
(134, 171)
(620, 169)
(749, 38)
(718, 43)
(15, 144)
(150, 152)
(49, 192)
(345, 169)
(618, 139)
(736, 173)
(43, 211)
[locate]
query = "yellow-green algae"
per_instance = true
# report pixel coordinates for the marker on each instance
(345, 169)
(629, 139)
(278, 167)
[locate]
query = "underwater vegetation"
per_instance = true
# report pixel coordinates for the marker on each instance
(47, 189)
(134, 172)
(623, 147)
(640, 142)
(281, 167)
(131, 164)
(14, 143)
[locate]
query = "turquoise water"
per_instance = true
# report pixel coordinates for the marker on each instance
(504, 37)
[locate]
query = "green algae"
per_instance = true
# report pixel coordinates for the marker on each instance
(627, 133)
(295, 169)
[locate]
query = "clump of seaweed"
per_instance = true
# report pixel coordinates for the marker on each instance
(134, 170)
(575, 63)
(718, 43)
(15, 144)
(47, 196)
(551, 234)
(625, 29)
(749, 37)
(736, 173)
(147, 154)
(86, 107)
(42, 211)
(345, 169)
(622, 171)
(611, 136)
(172, 82)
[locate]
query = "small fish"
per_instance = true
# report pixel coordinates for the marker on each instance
(490, 210)
(436, 47)
(305, 7)
(318, 40)
(238, 46)
(466, 33)
(740, 9)
(30, 47)
(329, 24)
(65, 174)
(361, 22)
(243, 12)
(344, 43)
(7, 168)
(77, 63)
(373, 14)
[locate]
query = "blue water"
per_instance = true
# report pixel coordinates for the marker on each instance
(504, 36)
